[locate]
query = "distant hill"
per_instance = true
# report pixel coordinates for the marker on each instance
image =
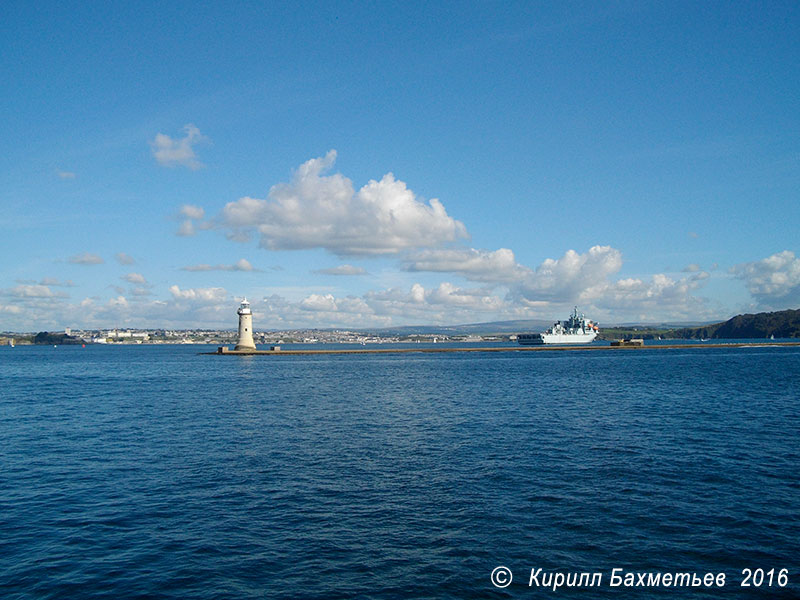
(519, 326)
(522, 326)
(43, 337)
(469, 328)
(781, 324)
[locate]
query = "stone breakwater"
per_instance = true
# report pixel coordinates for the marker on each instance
(223, 351)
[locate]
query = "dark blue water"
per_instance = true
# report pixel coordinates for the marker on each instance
(154, 472)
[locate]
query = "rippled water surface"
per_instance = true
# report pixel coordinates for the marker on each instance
(155, 472)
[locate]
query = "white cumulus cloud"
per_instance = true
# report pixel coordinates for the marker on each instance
(566, 278)
(319, 302)
(774, 281)
(315, 210)
(445, 303)
(342, 270)
(240, 265)
(190, 211)
(660, 296)
(186, 228)
(178, 152)
(135, 278)
(206, 295)
(124, 259)
(498, 266)
(49, 281)
(478, 300)
(86, 258)
(33, 291)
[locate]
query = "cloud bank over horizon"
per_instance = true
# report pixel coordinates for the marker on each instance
(415, 242)
(582, 278)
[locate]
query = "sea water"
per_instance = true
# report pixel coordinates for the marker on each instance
(157, 472)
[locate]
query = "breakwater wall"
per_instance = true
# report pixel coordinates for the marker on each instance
(224, 351)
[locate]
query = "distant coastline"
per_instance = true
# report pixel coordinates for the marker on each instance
(783, 324)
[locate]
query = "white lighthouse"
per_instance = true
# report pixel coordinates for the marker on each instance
(245, 327)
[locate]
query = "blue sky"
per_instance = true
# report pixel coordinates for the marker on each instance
(376, 164)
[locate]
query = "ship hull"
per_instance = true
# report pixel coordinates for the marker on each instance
(540, 339)
(568, 338)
